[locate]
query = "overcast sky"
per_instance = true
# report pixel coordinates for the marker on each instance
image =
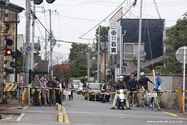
(73, 18)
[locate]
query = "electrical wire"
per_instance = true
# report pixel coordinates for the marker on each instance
(148, 33)
(67, 24)
(81, 37)
(79, 18)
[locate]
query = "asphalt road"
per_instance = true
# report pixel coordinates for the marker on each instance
(96, 113)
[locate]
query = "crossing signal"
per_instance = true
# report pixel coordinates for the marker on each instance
(38, 2)
(8, 52)
(9, 71)
(50, 1)
(9, 42)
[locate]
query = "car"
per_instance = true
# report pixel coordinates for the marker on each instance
(80, 87)
(95, 87)
(76, 83)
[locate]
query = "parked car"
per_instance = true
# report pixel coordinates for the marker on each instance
(76, 83)
(80, 87)
(96, 87)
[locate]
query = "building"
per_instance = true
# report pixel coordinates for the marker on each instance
(127, 45)
(13, 14)
(104, 62)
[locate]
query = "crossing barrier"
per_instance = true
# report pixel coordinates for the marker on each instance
(67, 91)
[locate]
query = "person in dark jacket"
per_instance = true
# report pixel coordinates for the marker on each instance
(143, 82)
(51, 84)
(103, 90)
(35, 91)
(132, 85)
(58, 92)
(119, 85)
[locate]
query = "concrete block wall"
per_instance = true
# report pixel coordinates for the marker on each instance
(170, 82)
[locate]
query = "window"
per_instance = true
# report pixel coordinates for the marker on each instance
(131, 50)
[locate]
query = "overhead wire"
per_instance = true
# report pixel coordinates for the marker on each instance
(148, 33)
(81, 37)
(67, 24)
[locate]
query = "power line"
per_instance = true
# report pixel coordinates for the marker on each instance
(102, 20)
(68, 24)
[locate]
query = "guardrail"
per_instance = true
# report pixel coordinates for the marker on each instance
(179, 91)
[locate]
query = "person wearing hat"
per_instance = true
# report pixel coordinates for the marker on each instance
(157, 85)
(119, 85)
(51, 84)
(103, 90)
(36, 91)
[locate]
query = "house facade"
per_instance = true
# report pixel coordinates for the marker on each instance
(127, 45)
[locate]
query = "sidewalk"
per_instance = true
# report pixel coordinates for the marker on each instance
(34, 115)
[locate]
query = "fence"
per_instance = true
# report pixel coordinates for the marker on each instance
(179, 91)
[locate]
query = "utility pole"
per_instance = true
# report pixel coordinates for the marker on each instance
(51, 48)
(33, 32)
(27, 55)
(98, 56)
(45, 56)
(88, 64)
(105, 61)
(139, 41)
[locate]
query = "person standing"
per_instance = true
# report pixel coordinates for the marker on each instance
(157, 85)
(58, 92)
(103, 90)
(36, 91)
(132, 85)
(51, 84)
(63, 83)
(70, 86)
(45, 91)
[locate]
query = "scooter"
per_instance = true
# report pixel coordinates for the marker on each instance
(121, 101)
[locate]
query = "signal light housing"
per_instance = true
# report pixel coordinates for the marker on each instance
(9, 42)
(50, 1)
(8, 52)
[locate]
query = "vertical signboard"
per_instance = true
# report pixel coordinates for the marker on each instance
(113, 38)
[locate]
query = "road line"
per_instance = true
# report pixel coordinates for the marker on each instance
(170, 114)
(20, 117)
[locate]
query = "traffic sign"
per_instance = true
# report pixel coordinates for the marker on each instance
(50, 68)
(28, 49)
(181, 53)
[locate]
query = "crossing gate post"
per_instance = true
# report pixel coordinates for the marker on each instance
(180, 99)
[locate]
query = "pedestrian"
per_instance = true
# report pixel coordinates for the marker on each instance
(63, 87)
(70, 86)
(132, 85)
(35, 91)
(58, 92)
(51, 85)
(103, 90)
(63, 83)
(157, 86)
(45, 91)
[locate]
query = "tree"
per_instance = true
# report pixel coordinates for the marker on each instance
(103, 34)
(177, 37)
(76, 50)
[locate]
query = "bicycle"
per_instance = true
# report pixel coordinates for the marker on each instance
(156, 100)
(136, 100)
